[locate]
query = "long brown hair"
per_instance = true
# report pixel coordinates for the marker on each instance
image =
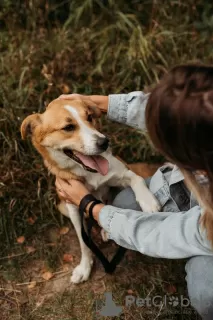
(179, 119)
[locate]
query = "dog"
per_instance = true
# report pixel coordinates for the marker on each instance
(67, 138)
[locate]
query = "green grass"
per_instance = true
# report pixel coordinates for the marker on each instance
(51, 47)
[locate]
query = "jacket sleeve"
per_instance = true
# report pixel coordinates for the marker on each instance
(163, 234)
(128, 108)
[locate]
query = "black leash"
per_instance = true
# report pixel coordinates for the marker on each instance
(109, 266)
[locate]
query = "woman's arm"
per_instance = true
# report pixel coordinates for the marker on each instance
(128, 109)
(166, 234)
(172, 235)
(124, 108)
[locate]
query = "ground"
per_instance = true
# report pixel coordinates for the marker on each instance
(30, 295)
(37, 288)
(50, 47)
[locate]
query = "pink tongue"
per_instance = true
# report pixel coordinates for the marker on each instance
(97, 163)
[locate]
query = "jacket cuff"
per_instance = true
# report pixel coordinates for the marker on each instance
(106, 216)
(117, 108)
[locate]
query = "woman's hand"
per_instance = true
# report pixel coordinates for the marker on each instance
(73, 191)
(100, 101)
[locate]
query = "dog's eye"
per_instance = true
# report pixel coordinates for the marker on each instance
(69, 127)
(89, 118)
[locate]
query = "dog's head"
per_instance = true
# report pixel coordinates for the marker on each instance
(66, 134)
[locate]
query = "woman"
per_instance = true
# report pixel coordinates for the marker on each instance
(179, 117)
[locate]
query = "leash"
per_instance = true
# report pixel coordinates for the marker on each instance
(109, 266)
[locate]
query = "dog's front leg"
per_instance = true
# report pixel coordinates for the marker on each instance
(82, 271)
(143, 195)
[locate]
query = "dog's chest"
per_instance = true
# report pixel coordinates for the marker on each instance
(100, 189)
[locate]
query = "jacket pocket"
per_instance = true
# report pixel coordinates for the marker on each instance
(167, 203)
(162, 196)
(159, 186)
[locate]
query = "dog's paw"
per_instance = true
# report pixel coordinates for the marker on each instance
(150, 207)
(104, 235)
(82, 272)
(149, 203)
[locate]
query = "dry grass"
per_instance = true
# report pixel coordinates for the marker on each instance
(90, 46)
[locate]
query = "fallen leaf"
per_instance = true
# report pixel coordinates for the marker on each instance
(20, 239)
(64, 230)
(68, 257)
(130, 291)
(31, 285)
(31, 220)
(30, 249)
(47, 275)
(171, 289)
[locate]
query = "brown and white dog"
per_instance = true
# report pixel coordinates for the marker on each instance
(72, 148)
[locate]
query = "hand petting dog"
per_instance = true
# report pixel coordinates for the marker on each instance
(73, 191)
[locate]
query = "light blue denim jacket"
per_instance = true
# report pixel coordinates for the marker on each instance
(173, 233)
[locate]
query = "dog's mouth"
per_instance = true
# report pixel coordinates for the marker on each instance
(90, 163)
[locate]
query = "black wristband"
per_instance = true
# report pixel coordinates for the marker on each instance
(91, 208)
(85, 201)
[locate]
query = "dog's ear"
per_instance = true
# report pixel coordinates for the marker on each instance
(29, 124)
(96, 112)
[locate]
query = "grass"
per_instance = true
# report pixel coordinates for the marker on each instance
(91, 46)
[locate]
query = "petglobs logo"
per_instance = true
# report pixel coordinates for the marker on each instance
(108, 308)
(157, 301)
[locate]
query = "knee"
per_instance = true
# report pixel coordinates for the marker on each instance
(126, 200)
(200, 285)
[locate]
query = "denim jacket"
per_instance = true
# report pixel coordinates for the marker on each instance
(173, 233)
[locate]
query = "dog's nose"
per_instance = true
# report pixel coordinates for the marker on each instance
(103, 143)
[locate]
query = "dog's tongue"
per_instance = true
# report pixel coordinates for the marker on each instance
(97, 163)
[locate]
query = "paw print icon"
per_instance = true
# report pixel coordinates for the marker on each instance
(173, 301)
